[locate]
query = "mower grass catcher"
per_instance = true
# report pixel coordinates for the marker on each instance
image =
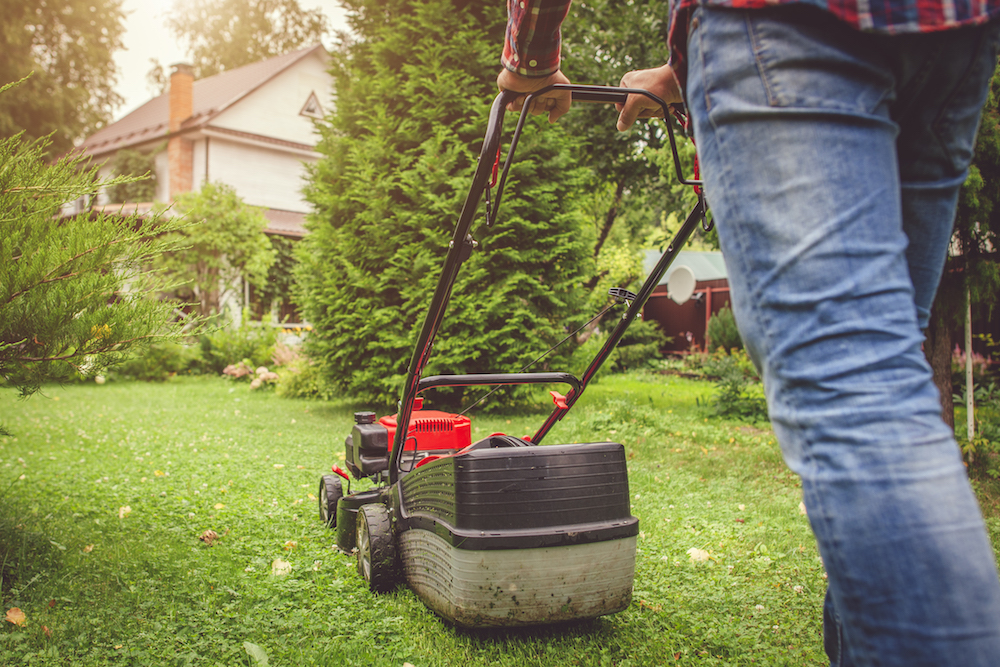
(502, 531)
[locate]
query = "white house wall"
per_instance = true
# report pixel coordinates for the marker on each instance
(199, 166)
(273, 109)
(162, 176)
(261, 176)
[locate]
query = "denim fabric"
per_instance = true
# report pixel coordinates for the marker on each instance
(832, 161)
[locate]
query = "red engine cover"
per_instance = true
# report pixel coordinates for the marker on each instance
(432, 430)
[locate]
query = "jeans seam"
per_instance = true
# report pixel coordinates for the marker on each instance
(694, 24)
(755, 44)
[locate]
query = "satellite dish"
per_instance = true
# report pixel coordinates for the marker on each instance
(680, 284)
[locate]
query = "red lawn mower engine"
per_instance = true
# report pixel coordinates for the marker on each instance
(430, 433)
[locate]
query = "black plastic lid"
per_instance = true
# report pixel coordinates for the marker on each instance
(364, 417)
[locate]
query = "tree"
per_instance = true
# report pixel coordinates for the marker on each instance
(632, 172)
(67, 47)
(226, 34)
(224, 243)
(74, 292)
(974, 268)
(399, 151)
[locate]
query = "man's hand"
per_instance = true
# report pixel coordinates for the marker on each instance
(554, 102)
(660, 81)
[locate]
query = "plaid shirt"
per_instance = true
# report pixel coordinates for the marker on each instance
(531, 47)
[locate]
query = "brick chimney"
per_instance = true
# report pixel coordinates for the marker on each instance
(179, 150)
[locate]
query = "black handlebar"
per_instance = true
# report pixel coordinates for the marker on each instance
(489, 154)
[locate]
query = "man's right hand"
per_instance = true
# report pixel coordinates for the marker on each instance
(660, 81)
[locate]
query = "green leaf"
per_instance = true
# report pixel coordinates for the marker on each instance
(256, 653)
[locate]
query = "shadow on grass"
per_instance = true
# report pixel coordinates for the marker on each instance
(26, 552)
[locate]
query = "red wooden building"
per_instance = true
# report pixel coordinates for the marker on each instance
(687, 322)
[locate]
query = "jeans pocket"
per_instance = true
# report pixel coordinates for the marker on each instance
(796, 66)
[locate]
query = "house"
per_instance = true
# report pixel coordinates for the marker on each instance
(687, 323)
(251, 128)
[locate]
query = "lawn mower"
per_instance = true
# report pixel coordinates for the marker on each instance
(501, 531)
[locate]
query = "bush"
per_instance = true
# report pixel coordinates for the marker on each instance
(302, 379)
(739, 391)
(638, 349)
(252, 341)
(722, 331)
(158, 363)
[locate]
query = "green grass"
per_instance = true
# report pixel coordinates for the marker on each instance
(105, 585)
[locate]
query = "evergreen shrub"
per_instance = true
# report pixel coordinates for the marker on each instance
(722, 331)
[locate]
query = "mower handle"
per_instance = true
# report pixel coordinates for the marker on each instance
(497, 379)
(462, 243)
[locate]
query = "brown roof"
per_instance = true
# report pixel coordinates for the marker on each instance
(285, 223)
(211, 96)
(279, 222)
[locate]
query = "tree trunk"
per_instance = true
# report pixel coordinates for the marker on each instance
(609, 218)
(937, 349)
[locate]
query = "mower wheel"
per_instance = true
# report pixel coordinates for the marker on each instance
(330, 491)
(376, 548)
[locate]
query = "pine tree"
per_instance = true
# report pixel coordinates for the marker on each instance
(75, 294)
(413, 93)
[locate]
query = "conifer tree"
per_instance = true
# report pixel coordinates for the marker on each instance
(74, 291)
(413, 94)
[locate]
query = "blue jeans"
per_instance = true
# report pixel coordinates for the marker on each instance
(832, 162)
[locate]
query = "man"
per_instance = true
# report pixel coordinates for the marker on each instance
(833, 138)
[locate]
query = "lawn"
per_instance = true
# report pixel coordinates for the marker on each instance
(105, 490)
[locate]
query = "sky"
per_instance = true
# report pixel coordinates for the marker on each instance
(147, 37)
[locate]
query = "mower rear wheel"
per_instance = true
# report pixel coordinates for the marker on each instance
(376, 548)
(330, 491)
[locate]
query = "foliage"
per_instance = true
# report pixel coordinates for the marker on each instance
(67, 48)
(981, 366)
(226, 34)
(603, 39)
(128, 162)
(252, 341)
(193, 456)
(722, 331)
(399, 152)
(739, 393)
(159, 362)
(280, 281)
(633, 189)
(983, 452)
(304, 379)
(223, 244)
(75, 293)
(638, 349)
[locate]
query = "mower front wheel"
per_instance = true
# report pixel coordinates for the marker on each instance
(376, 548)
(330, 491)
